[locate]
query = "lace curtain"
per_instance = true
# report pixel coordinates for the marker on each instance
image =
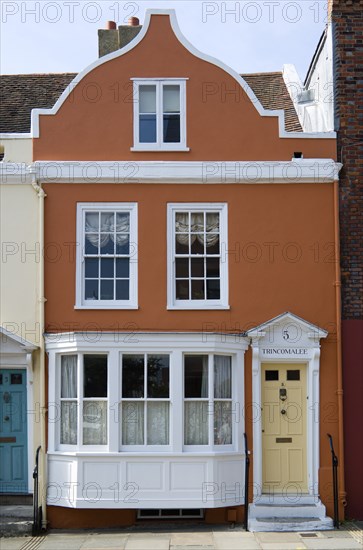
(109, 230)
(222, 409)
(95, 423)
(196, 414)
(157, 423)
(68, 408)
(210, 235)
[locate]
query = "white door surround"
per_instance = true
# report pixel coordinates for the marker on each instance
(290, 339)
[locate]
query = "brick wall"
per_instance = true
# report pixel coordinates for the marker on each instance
(347, 18)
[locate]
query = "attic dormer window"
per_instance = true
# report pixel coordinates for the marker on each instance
(159, 115)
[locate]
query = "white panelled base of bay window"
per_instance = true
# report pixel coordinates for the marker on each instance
(155, 420)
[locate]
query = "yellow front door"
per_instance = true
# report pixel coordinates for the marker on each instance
(284, 467)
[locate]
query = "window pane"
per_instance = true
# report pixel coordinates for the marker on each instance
(123, 268)
(107, 268)
(122, 290)
(91, 268)
(122, 244)
(69, 376)
(293, 375)
(222, 423)
(212, 267)
(197, 244)
(133, 423)
(107, 243)
(107, 290)
(158, 423)
(158, 376)
(197, 222)
(222, 377)
(107, 221)
(182, 290)
(196, 375)
(171, 99)
(197, 265)
(182, 243)
(212, 244)
(133, 376)
(271, 375)
(94, 422)
(91, 243)
(95, 376)
(68, 434)
(91, 289)
(212, 222)
(196, 423)
(147, 129)
(92, 222)
(122, 222)
(182, 222)
(213, 289)
(171, 128)
(182, 267)
(147, 97)
(198, 290)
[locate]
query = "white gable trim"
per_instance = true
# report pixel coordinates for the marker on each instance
(174, 24)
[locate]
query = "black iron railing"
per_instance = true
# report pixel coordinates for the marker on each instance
(247, 474)
(334, 459)
(37, 510)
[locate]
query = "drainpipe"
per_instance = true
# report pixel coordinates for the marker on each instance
(43, 408)
(337, 284)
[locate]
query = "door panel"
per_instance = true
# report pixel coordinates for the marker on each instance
(284, 456)
(13, 431)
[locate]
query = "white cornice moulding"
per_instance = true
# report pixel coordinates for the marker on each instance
(208, 172)
(280, 114)
(13, 135)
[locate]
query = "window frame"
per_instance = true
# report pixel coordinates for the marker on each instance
(172, 302)
(159, 145)
(211, 400)
(80, 400)
(144, 448)
(132, 302)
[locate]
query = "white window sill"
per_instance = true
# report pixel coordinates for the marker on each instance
(104, 306)
(136, 454)
(196, 307)
(149, 149)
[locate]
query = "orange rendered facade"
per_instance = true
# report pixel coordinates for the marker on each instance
(280, 248)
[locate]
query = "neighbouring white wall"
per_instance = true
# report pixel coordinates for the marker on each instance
(316, 115)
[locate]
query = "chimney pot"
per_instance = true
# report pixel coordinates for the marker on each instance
(134, 22)
(111, 25)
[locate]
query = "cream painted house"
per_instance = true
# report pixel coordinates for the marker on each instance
(21, 318)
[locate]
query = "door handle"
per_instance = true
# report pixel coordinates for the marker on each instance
(7, 418)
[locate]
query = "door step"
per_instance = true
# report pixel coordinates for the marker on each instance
(279, 516)
(16, 520)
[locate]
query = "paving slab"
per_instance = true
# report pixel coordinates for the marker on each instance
(101, 541)
(147, 543)
(283, 546)
(192, 539)
(333, 544)
(15, 543)
(235, 541)
(278, 537)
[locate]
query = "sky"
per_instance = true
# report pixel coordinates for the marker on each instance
(248, 35)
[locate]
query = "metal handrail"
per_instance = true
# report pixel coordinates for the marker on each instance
(37, 510)
(335, 481)
(247, 473)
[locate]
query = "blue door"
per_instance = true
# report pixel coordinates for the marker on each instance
(13, 432)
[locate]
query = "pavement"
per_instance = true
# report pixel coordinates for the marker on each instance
(192, 537)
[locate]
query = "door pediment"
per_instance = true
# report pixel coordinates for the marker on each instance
(286, 337)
